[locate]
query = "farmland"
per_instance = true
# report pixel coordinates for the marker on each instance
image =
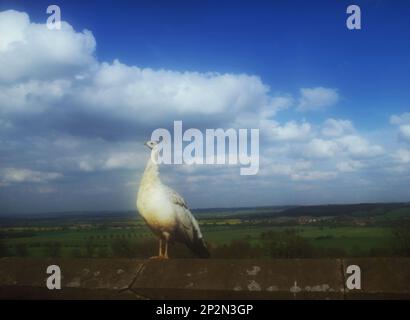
(269, 232)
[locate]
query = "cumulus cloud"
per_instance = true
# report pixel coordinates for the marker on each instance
(402, 156)
(43, 70)
(317, 98)
(55, 72)
(349, 166)
(286, 169)
(5, 124)
(321, 148)
(32, 97)
(30, 50)
(66, 82)
(336, 149)
(111, 161)
(404, 118)
(358, 146)
(403, 122)
(147, 94)
(337, 127)
(298, 171)
(290, 131)
(349, 145)
(18, 175)
(57, 98)
(314, 176)
(404, 132)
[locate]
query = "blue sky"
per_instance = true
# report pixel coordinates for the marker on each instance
(337, 129)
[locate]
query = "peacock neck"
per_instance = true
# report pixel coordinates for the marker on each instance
(151, 172)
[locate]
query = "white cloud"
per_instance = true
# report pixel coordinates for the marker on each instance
(404, 118)
(30, 50)
(16, 175)
(46, 68)
(404, 132)
(125, 160)
(298, 171)
(43, 189)
(291, 131)
(348, 145)
(402, 156)
(314, 175)
(53, 77)
(320, 148)
(317, 98)
(5, 124)
(277, 103)
(349, 166)
(32, 96)
(286, 169)
(403, 121)
(261, 117)
(147, 94)
(337, 127)
(112, 160)
(357, 146)
(280, 169)
(42, 69)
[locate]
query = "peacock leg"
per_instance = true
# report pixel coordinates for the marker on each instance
(166, 250)
(160, 248)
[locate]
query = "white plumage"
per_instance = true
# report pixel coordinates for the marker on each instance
(166, 212)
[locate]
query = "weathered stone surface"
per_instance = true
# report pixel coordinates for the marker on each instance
(259, 279)
(88, 276)
(382, 278)
(204, 279)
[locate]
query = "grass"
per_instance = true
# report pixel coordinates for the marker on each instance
(346, 238)
(74, 234)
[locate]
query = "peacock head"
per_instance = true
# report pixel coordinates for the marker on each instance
(151, 144)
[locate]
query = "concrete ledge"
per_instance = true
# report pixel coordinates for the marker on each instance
(204, 279)
(383, 278)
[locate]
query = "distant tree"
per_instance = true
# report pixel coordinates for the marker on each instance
(357, 251)
(237, 249)
(76, 253)
(401, 240)
(380, 252)
(21, 250)
(102, 252)
(3, 249)
(288, 244)
(89, 248)
(53, 250)
(122, 248)
(330, 253)
(149, 247)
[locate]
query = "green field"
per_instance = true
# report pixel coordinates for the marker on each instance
(358, 234)
(347, 238)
